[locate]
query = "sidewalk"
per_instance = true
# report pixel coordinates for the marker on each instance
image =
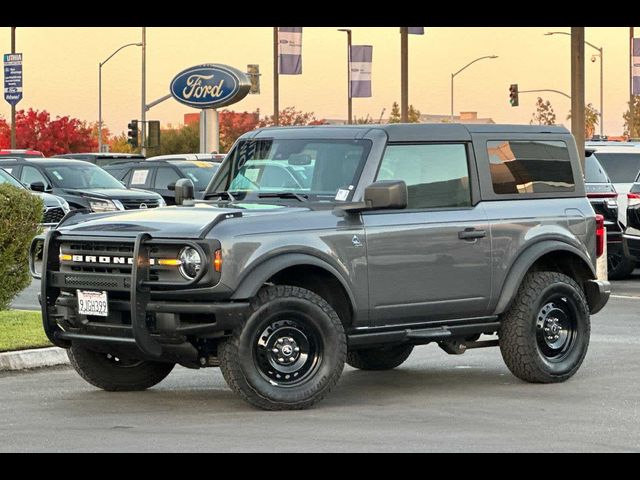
(36, 358)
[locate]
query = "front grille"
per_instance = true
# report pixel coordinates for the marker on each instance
(103, 282)
(53, 215)
(124, 250)
(135, 204)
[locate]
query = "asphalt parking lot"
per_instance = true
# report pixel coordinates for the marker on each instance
(434, 402)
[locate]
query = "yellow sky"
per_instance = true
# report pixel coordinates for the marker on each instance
(61, 70)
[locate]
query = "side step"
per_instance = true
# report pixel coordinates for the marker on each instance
(421, 335)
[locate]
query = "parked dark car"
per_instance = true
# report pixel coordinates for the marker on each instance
(604, 200)
(55, 208)
(101, 159)
(82, 184)
(160, 176)
(631, 235)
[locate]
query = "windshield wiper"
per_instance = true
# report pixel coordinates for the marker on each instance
(298, 196)
(220, 194)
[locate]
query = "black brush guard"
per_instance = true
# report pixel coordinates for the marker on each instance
(227, 314)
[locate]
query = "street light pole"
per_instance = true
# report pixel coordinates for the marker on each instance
(100, 90)
(600, 54)
(349, 100)
(143, 132)
(453, 75)
(404, 74)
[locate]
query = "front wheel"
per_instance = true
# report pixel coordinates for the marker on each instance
(544, 335)
(115, 373)
(290, 352)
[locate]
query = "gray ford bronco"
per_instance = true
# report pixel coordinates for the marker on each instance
(316, 246)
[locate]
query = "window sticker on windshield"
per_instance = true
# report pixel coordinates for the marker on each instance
(342, 195)
(57, 175)
(192, 177)
(139, 177)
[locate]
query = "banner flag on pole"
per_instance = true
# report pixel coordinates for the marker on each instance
(415, 30)
(290, 50)
(360, 70)
(636, 67)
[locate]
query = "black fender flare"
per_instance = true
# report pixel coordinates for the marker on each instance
(255, 278)
(523, 263)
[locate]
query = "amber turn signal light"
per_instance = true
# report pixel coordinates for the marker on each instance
(217, 260)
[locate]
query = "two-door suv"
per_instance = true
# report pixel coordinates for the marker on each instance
(316, 246)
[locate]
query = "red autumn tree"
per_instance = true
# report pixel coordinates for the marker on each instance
(234, 124)
(37, 131)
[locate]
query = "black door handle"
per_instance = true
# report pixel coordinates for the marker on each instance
(471, 234)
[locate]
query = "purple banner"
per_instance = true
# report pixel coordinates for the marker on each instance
(360, 70)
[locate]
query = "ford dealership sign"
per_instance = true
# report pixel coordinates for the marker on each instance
(210, 86)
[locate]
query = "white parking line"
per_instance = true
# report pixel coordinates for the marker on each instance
(635, 297)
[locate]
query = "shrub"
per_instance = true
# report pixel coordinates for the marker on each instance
(20, 213)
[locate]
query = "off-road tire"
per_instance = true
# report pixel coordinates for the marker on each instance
(240, 355)
(103, 371)
(381, 358)
(519, 331)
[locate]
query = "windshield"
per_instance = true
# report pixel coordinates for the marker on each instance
(200, 175)
(6, 178)
(318, 169)
(621, 167)
(81, 176)
(594, 173)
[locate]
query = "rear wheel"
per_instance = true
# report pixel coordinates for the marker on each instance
(381, 358)
(544, 335)
(114, 373)
(619, 266)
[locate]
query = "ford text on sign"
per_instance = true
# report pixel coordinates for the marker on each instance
(210, 86)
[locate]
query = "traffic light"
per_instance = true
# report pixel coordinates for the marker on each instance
(153, 134)
(133, 133)
(513, 95)
(253, 72)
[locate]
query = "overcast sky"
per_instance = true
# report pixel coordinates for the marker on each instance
(61, 70)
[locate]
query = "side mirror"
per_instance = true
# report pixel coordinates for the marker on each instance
(185, 190)
(386, 194)
(381, 195)
(171, 186)
(37, 186)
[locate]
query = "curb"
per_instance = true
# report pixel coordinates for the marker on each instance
(36, 358)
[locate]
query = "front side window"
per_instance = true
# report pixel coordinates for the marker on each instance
(165, 176)
(621, 167)
(319, 169)
(32, 175)
(8, 179)
(437, 175)
(523, 166)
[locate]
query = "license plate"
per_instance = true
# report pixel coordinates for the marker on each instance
(93, 303)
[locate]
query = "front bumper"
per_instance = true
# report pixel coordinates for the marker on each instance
(156, 328)
(598, 293)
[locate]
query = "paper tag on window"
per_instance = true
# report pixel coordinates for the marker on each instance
(139, 177)
(342, 195)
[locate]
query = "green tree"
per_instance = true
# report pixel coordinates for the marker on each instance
(591, 119)
(179, 140)
(632, 123)
(291, 116)
(395, 116)
(544, 114)
(362, 120)
(120, 144)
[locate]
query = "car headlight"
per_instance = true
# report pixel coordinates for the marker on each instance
(162, 203)
(64, 204)
(190, 262)
(102, 206)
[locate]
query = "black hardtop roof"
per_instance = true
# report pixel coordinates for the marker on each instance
(403, 132)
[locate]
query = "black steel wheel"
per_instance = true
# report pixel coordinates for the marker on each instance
(544, 336)
(289, 353)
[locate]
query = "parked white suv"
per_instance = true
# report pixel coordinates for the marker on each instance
(622, 164)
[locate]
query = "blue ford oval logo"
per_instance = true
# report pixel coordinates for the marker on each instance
(210, 86)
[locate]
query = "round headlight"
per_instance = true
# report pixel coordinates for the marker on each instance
(191, 262)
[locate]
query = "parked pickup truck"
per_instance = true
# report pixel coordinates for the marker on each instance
(316, 246)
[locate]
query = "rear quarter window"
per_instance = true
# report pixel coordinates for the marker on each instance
(530, 166)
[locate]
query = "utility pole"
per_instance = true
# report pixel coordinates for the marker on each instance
(632, 132)
(404, 74)
(577, 89)
(13, 107)
(143, 118)
(276, 79)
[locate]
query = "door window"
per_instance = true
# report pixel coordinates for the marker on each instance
(165, 176)
(30, 175)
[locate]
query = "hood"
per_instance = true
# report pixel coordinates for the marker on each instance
(50, 201)
(111, 193)
(167, 222)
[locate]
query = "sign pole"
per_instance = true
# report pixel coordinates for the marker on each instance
(276, 80)
(209, 131)
(404, 74)
(13, 106)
